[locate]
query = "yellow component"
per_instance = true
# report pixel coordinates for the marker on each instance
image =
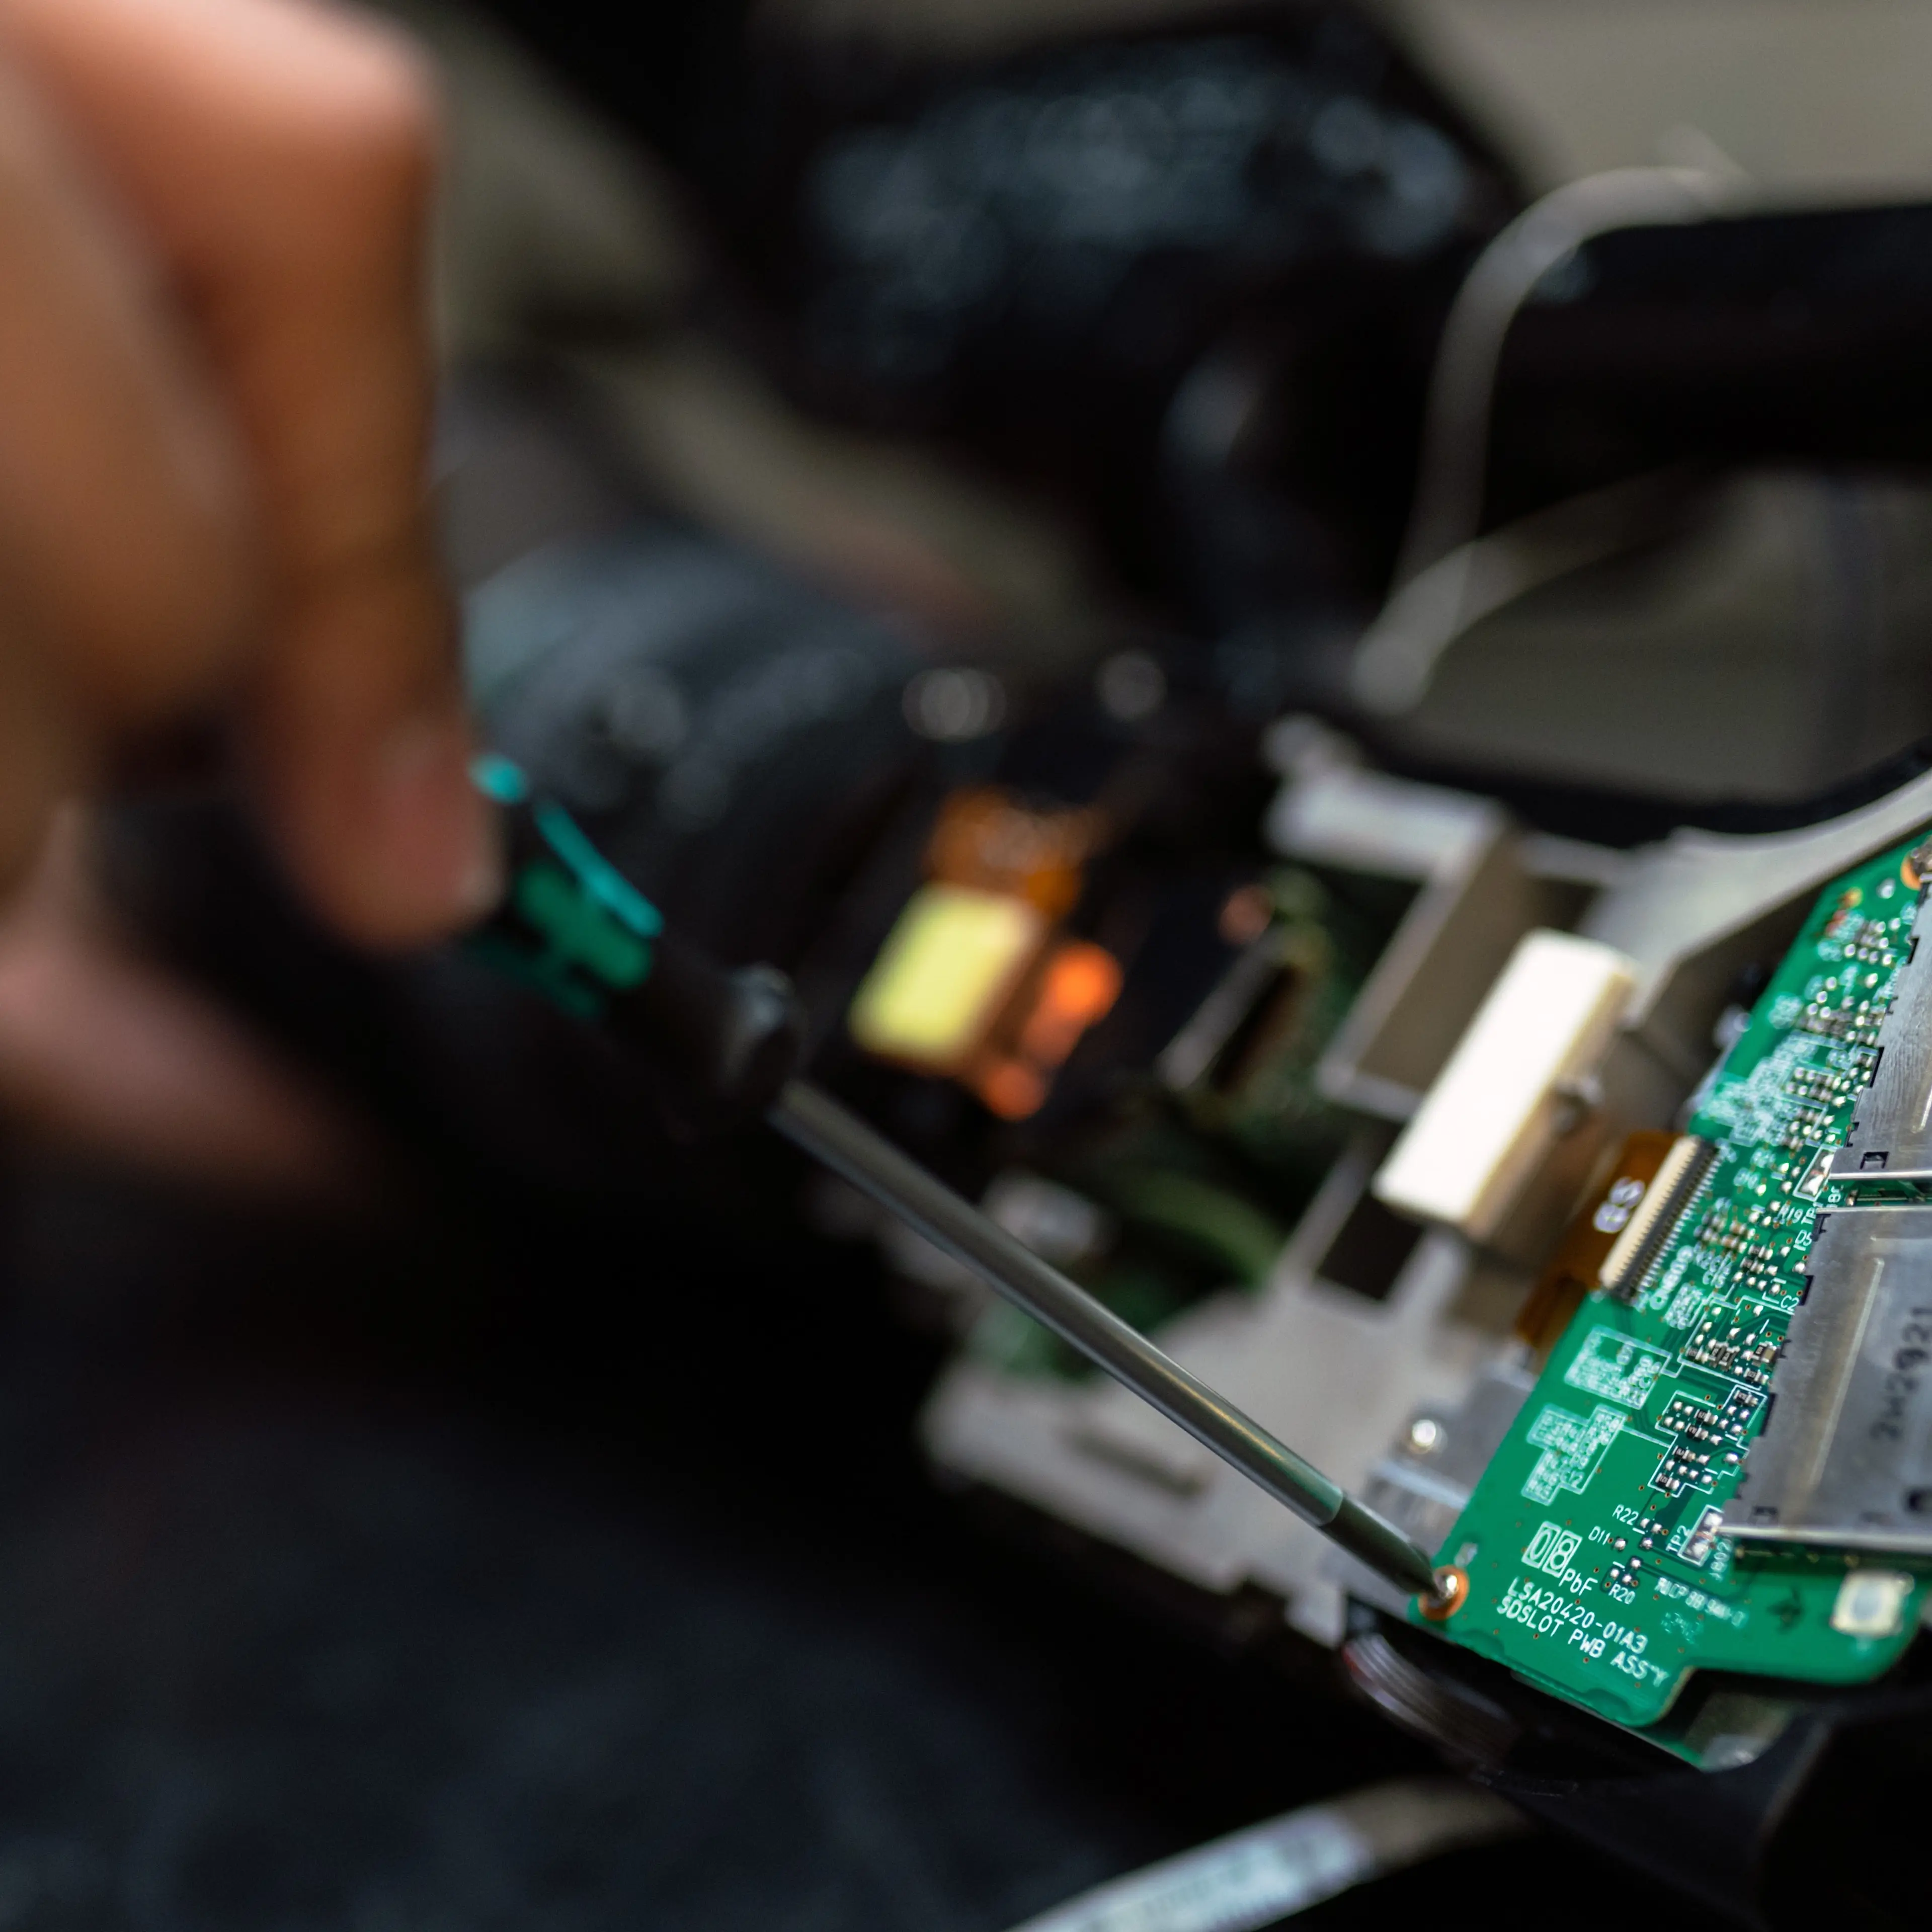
(945, 973)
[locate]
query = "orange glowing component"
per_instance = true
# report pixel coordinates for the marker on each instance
(1011, 1089)
(1081, 984)
(1245, 914)
(972, 982)
(1077, 989)
(986, 839)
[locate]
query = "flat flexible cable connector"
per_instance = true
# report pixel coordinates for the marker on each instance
(1658, 1212)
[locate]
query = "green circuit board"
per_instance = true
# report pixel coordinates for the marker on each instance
(1591, 1546)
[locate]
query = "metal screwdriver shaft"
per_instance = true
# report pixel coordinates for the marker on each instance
(725, 1041)
(815, 1122)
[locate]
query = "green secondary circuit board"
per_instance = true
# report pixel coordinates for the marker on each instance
(1596, 1569)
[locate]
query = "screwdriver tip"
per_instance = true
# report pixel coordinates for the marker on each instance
(1451, 1592)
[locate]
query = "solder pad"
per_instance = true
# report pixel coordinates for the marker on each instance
(1597, 1568)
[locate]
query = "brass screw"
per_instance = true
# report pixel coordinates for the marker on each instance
(1451, 1594)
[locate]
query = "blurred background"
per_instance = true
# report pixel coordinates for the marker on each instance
(890, 440)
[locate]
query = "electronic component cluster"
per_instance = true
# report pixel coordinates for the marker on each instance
(1695, 1483)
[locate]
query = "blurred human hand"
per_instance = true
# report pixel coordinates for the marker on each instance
(214, 400)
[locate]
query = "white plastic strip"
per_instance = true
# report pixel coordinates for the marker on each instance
(1496, 1105)
(1269, 1872)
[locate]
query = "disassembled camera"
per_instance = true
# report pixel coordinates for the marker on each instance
(1360, 976)
(1432, 1171)
(1401, 1184)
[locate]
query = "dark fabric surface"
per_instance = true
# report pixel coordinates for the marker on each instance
(310, 1621)
(312, 1669)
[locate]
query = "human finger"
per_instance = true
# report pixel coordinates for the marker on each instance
(282, 156)
(124, 583)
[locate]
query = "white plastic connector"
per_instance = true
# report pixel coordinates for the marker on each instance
(1536, 1041)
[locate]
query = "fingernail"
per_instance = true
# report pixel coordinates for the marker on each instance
(437, 840)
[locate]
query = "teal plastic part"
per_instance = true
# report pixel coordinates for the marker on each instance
(572, 926)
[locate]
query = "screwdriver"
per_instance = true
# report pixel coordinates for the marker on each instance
(723, 1044)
